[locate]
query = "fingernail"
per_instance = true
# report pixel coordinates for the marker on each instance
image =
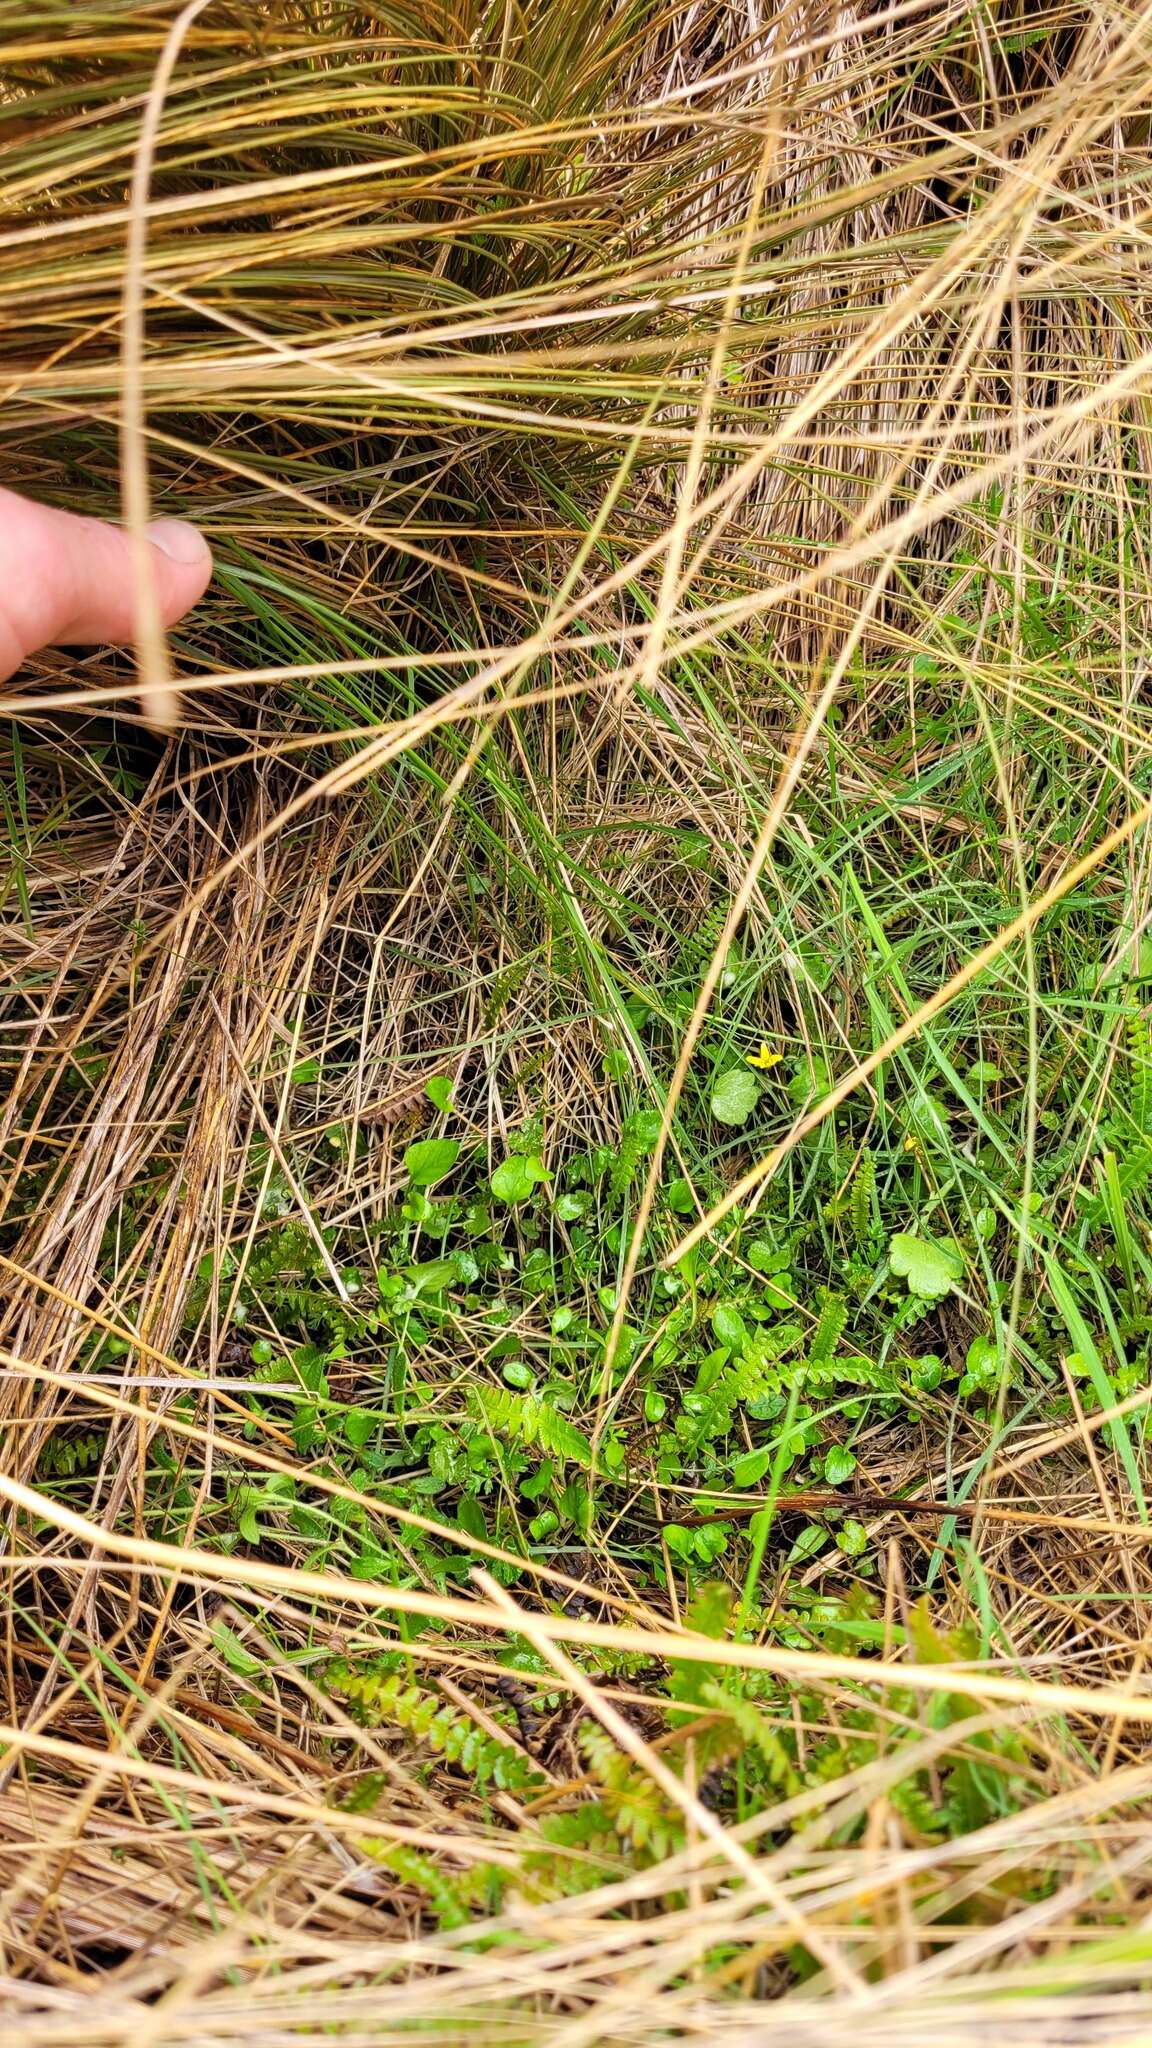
(178, 540)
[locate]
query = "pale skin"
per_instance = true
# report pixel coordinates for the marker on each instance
(68, 581)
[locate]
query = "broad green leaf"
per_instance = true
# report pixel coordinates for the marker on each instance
(234, 1653)
(432, 1276)
(728, 1324)
(642, 1129)
(750, 1469)
(931, 1267)
(981, 1367)
(517, 1176)
(811, 1539)
(470, 1516)
(813, 1078)
(735, 1096)
(765, 1257)
(927, 1373)
(928, 1118)
(429, 1159)
(359, 1425)
(439, 1091)
(839, 1464)
(983, 1074)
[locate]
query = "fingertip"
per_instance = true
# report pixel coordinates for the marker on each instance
(180, 541)
(187, 560)
(69, 580)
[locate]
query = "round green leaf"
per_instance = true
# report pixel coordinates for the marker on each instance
(981, 1367)
(735, 1096)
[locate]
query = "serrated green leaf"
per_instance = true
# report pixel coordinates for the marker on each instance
(852, 1539)
(931, 1267)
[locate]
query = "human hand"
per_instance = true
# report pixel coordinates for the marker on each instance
(69, 581)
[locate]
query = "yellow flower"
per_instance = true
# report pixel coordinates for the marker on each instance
(765, 1058)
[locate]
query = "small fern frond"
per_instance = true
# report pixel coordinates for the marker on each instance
(829, 1328)
(1139, 1035)
(640, 1814)
(453, 1896)
(862, 1207)
(384, 1697)
(62, 1457)
(530, 1421)
(756, 1733)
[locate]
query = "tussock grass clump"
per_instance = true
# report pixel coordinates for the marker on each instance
(576, 1145)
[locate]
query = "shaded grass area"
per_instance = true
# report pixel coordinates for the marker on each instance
(480, 1553)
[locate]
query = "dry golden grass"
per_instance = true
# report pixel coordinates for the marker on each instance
(583, 402)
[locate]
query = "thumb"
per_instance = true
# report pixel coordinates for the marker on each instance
(69, 580)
